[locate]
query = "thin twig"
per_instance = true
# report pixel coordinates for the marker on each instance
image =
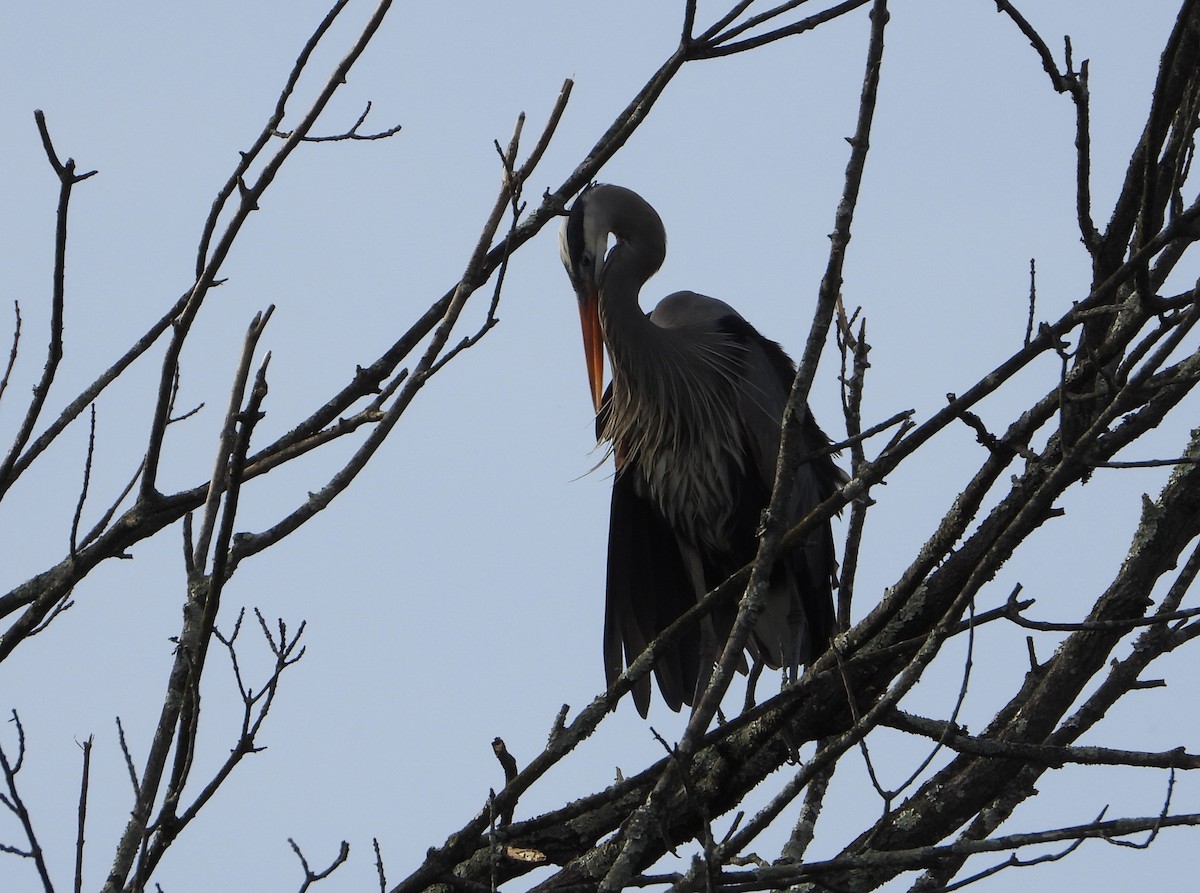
(1032, 301)
(349, 135)
(12, 799)
(82, 822)
(948, 734)
(83, 490)
(721, 45)
(220, 476)
(310, 876)
(379, 865)
(12, 353)
(1014, 613)
(781, 876)
(54, 350)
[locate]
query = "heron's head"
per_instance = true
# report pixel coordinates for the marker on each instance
(583, 238)
(611, 242)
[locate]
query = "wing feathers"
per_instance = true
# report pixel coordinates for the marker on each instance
(648, 588)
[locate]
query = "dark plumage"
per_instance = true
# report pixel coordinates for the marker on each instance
(692, 415)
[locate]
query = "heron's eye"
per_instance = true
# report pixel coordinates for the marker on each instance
(586, 261)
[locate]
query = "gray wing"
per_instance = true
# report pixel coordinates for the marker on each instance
(648, 588)
(799, 619)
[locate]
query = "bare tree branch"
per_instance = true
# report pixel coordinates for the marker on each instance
(1129, 365)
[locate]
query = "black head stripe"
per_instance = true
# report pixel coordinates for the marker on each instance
(574, 231)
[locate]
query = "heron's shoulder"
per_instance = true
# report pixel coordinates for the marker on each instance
(687, 309)
(684, 308)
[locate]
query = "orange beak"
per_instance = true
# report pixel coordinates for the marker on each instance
(593, 344)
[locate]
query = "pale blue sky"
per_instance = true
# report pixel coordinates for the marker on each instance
(455, 592)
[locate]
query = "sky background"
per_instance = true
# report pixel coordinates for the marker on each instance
(455, 592)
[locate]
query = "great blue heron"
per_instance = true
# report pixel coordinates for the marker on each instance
(693, 416)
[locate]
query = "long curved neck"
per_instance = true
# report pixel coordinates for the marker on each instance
(639, 251)
(670, 389)
(628, 333)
